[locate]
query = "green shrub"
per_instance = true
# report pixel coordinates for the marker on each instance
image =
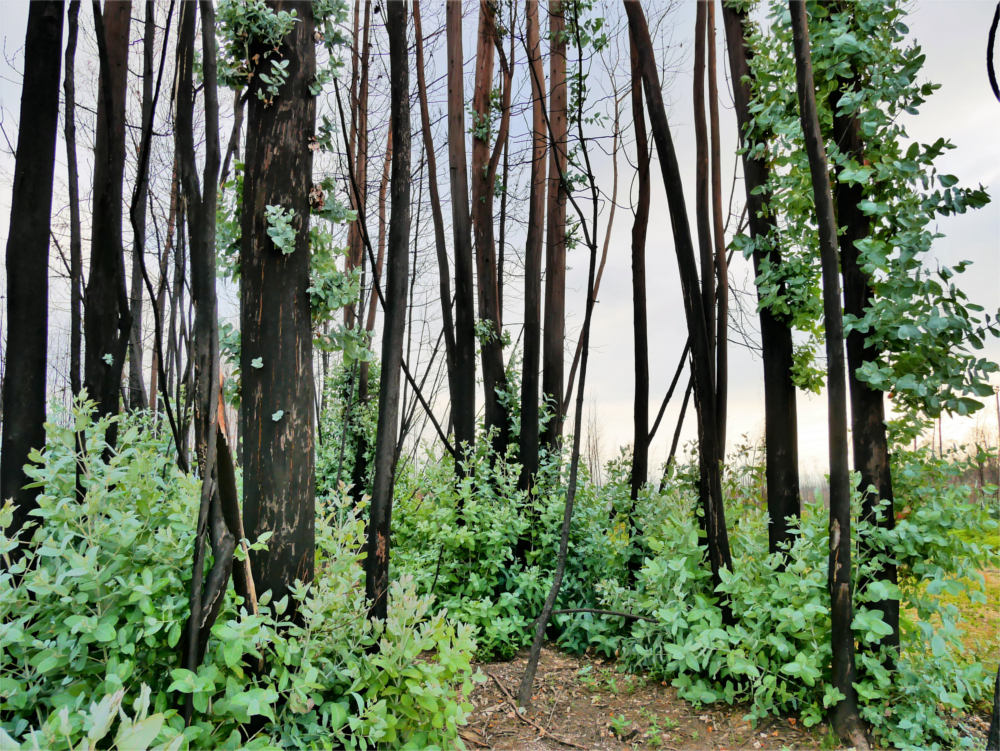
(97, 604)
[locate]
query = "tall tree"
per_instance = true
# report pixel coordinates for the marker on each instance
(136, 389)
(719, 554)
(533, 257)
(780, 414)
(440, 245)
(28, 258)
(553, 341)
(277, 407)
(869, 440)
(394, 305)
(483, 174)
(844, 714)
(358, 151)
(107, 316)
(73, 188)
(463, 411)
(640, 224)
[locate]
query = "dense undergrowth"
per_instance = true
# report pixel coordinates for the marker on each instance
(93, 614)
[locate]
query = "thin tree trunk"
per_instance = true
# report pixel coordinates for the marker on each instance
(868, 434)
(554, 334)
(359, 140)
(73, 184)
(844, 714)
(277, 406)
(702, 175)
(28, 259)
(701, 363)
(640, 409)
(380, 261)
(529, 438)
(444, 275)
(721, 266)
(463, 405)
(993, 738)
(491, 349)
(136, 387)
(781, 420)
(380, 516)
(156, 383)
(107, 317)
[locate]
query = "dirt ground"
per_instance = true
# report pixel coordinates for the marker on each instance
(583, 702)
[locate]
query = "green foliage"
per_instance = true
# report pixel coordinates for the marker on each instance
(925, 330)
(336, 453)
(280, 229)
(95, 608)
(241, 24)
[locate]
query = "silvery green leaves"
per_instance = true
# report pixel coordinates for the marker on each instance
(274, 81)
(280, 229)
(240, 24)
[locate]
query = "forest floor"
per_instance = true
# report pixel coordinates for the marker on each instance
(584, 702)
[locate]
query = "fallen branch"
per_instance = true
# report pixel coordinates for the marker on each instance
(517, 710)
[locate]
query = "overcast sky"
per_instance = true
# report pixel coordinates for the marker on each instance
(953, 36)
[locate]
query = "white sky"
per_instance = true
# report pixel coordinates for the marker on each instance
(953, 36)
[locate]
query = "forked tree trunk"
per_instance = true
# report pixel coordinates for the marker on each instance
(781, 420)
(380, 516)
(640, 408)
(28, 258)
(277, 406)
(463, 409)
(554, 334)
(701, 363)
(107, 316)
(490, 346)
(533, 263)
(844, 714)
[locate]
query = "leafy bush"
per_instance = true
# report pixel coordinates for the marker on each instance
(96, 606)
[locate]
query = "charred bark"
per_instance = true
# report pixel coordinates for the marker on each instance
(844, 714)
(28, 258)
(380, 516)
(781, 420)
(73, 187)
(107, 315)
(277, 405)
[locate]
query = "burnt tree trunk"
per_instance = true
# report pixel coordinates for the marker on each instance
(277, 406)
(107, 315)
(358, 152)
(528, 448)
(380, 516)
(28, 258)
(136, 389)
(640, 224)
(73, 187)
(490, 346)
(781, 420)
(719, 554)
(553, 341)
(870, 443)
(463, 410)
(844, 714)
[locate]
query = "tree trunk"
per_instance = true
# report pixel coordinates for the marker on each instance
(993, 738)
(463, 409)
(107, 317)
(136, 388)
(781, 421)
(482, 222)
(28, 258)
(844, 714)
(701, 363)
(718, 232)
(279, 481)
(702, 209)
(640, 410)
(870, 443)
(554, 334)
(528, 449)
(380, 517)
(359, 140)
(444, 275)
(73, 185)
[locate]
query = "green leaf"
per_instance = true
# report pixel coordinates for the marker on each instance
(278, 415)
